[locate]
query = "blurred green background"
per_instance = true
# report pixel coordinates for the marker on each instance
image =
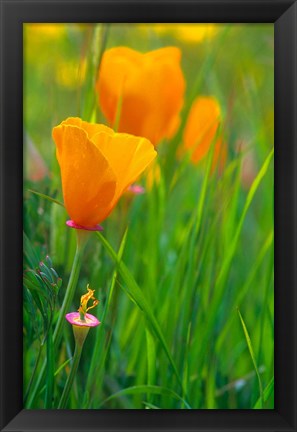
(199, 245)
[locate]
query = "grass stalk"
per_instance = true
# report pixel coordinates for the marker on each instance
(70, 290)
(251, 351)
(71, 376)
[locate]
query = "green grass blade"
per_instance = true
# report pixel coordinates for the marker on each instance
(97, 352)
(186, 362)
(267, 393)
(60, 368)
(97, 47)
(150, 406)
(163, 391)
(48, 198)
(204, 189)
(226, 265)
(245, 289)
(132, 289)
(49, 370)
(224, 271)
(251, 351)
(267, 284)
(63, 365)
(151, 359)
(30, 254)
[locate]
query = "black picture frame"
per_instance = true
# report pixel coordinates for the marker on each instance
(283, 13)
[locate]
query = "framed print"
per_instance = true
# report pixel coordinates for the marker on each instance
(148, 212)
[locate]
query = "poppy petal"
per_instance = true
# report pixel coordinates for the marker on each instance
(201, 127)
(90, 128)
(128, 156)
(88, 180)
(147, 90)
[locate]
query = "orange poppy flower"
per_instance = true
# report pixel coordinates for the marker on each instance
(97, 165)
(146, 91)
(201, 129)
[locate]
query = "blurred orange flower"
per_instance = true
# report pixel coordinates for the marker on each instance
(97, 165)
(146, 91)
(201, 129)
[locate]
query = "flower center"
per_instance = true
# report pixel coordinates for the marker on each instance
(83, 309)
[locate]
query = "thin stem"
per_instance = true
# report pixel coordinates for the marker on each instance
(50, 370)
(71, 376)
(34, 372)
(97, 350)
(68, 295)
(70, 290)
(38, 358)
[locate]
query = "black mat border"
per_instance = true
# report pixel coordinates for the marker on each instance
(13, 15)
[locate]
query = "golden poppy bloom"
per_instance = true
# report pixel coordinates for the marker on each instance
(97, 165)
(201, 129)
(145, 91)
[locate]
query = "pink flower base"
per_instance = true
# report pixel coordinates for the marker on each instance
(90, 320)
(136, 189)
(72, 224)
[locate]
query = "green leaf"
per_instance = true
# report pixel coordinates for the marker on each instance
(256, 183)
(31, 282)
(224, 331)
(97, 351)
(49, 370)
(60, 368)
(132, 289)
(41, 195)
(151, 358)
(224, 271)
(268, 392)
(29, 253)
(251, 351)
(146, 389)
(149, 405)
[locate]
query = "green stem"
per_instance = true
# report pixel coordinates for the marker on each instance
(50, 370)
(71, 376)
(97, 350)
(34, 372)
(68, 295)
(70, 290)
